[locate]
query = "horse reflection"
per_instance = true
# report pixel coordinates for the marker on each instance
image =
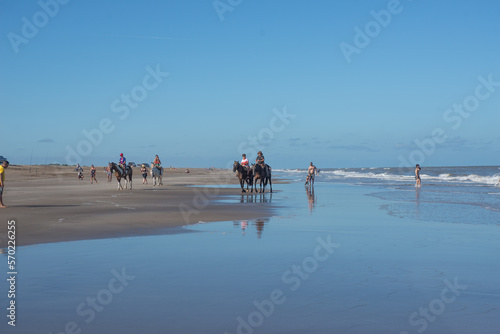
(256, 198)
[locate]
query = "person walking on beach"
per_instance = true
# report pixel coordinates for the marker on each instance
(108, 173)
(3, 166)
(92, 175)
(144, 172)
(311, 171)
(417, 175)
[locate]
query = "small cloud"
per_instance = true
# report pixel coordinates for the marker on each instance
(148, 146)
(297, 142)
(352, 148)
(46, 140)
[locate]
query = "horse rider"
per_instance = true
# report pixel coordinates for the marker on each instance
(157, 164)
(260, 159)
(244, 162)
(123, 163)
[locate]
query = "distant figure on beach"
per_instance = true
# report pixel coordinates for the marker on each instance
(3, 167)
(108, 173)
(417, 175)
(144, 172)
(187, 171)
(78, 168)
(311, 171)
(92, 175)
(80, 174)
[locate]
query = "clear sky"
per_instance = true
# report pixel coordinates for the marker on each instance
(341, 83)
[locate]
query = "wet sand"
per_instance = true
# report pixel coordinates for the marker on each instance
(49, 204)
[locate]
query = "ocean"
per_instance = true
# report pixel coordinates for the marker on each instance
(467, 195)
(363, 251)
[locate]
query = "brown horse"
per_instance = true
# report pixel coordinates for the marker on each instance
(121, 174)
(244, 175)
(264, 175)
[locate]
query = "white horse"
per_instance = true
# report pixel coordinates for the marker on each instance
(121, 174)
(157, 174)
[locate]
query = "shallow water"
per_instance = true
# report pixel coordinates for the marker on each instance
(331, 261)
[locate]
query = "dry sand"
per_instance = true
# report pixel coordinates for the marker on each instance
(49, 204)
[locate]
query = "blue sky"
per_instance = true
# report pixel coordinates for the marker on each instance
(250, 75)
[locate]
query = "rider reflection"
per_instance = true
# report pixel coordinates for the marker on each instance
(258, 223)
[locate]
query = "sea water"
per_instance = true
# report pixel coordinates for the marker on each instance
(361, 252)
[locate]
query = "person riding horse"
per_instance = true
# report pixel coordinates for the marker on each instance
(260, 159)
(244, 162)
(157, 162)
(123, 163)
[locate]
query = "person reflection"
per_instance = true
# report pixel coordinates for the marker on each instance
(244, 225)
(417, 203)
(311, 198)
(259, 223)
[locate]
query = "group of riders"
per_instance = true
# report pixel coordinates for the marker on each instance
(260, 160)
(245, 163)
(144, 171)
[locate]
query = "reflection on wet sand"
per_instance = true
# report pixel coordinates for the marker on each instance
(417, 203)
(258, 223)
(257, 198)
(311, 197)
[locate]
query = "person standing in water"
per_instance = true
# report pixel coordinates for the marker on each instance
(417, 175)
(311, 172)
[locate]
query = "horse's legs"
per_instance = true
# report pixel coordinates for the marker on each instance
(270, 185)
(130, 180)
(242, 185)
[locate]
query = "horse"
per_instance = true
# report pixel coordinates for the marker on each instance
(244, 175)
(121, 174)
(264, 175)
(157, 174)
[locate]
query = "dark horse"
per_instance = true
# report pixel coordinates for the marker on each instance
(121, 174)
(264, 175)
(244, 175)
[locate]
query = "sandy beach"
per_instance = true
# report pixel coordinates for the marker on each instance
(50, 204)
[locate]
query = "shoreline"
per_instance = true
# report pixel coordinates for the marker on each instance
(54, 206)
